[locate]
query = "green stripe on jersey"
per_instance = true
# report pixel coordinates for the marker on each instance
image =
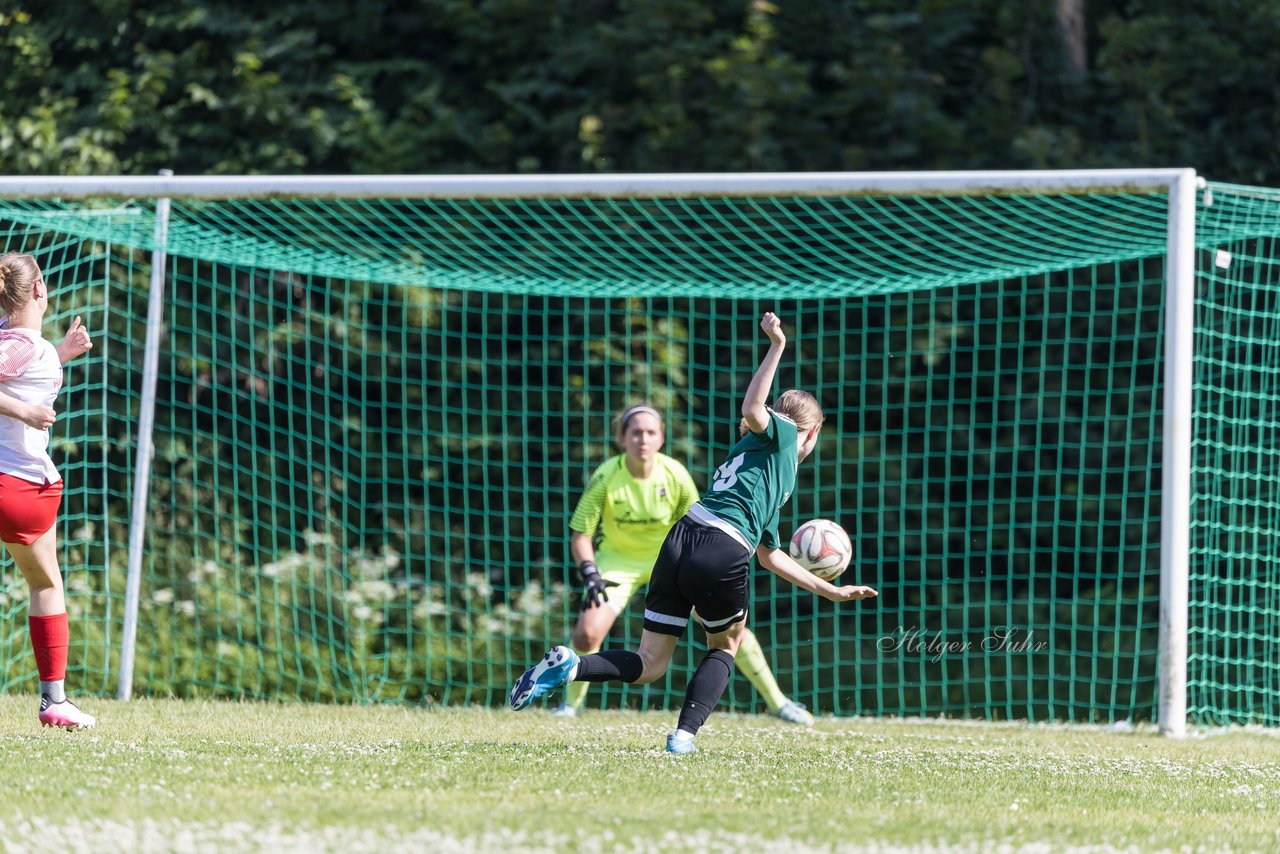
(756, 480)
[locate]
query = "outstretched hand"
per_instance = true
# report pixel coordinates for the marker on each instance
(772, 327)
(75, 342)
(852, 592)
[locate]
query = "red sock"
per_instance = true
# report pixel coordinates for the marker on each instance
(49, 640)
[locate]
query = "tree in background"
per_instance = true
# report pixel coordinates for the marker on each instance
(612, 85)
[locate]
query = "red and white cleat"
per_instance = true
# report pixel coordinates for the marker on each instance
(65, 714)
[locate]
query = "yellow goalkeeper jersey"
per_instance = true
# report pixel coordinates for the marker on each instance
(632, 516)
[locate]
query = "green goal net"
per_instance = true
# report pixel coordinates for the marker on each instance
(1234, 625)
(374, 416)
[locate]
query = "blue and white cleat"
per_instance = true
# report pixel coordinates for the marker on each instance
(548, 674)
(680, 746)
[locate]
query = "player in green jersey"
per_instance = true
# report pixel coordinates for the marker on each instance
(631, 501)
(705, 558)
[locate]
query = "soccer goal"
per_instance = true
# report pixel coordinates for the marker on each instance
(329, 438)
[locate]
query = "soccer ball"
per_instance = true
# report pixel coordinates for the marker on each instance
(822, 547)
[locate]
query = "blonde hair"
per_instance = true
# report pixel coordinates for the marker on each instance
(800, 406)
(623, 418)
(18, 274)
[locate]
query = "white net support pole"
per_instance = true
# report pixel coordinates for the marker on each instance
(1175, 491)
(142, 467)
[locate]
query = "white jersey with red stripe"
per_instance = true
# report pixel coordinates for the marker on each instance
(30, 371)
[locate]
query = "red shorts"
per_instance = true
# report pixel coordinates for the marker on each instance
(27, 510)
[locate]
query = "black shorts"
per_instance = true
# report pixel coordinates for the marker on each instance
(698, 567)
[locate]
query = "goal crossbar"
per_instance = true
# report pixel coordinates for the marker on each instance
(647, 185)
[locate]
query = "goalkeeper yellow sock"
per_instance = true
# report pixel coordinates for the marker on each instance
(750, 660)
(575, 693)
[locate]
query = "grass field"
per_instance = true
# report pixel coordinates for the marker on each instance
(182, 775)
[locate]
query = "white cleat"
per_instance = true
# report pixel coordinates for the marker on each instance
(564, 710)
(65, 714)
(679, 745)
(793, 713)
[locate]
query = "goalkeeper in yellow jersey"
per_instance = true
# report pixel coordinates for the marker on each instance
(632, 500)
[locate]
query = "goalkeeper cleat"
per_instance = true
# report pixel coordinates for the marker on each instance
(564, 710)
(553, 671)
(793, 713)
(680, 746)
(65, 714)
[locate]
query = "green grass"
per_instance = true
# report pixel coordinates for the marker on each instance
(183, 775)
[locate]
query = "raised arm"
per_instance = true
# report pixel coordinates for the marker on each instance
(753, 402)
(75, 342)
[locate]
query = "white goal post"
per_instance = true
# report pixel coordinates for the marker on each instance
(1179, 184)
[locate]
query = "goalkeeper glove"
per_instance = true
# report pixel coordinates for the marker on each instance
(596, 586)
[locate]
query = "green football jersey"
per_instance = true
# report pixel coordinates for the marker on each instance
(633, 516)
(756, 480)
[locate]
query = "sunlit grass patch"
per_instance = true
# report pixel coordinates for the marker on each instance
(186, 775)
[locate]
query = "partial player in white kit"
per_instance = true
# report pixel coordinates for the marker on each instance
(30, 486)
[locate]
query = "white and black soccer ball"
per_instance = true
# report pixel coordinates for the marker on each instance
(822, 547)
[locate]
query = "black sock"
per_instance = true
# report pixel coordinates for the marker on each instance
(621, 665)
(705, 689)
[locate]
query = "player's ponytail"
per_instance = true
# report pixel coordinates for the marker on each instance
(18, 274)
(800, 406)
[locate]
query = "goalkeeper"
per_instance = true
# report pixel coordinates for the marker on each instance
(632, 500)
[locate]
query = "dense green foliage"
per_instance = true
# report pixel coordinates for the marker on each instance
(438, 86)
